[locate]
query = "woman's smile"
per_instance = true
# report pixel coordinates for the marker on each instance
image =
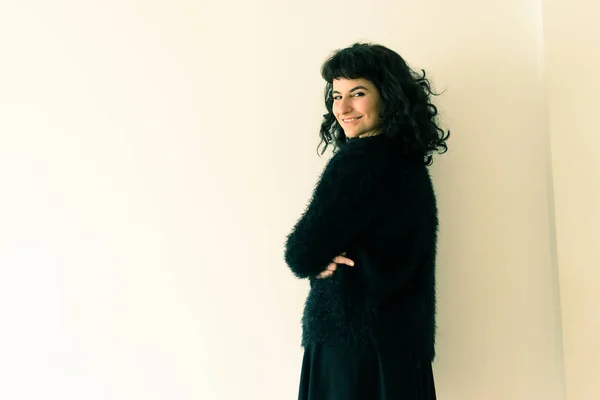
(351, 120)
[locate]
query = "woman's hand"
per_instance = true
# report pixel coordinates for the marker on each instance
(333, 266)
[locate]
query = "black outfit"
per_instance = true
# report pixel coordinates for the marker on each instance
(365, 373)
(369, 330)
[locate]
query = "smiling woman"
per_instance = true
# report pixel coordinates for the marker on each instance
(367, 240)
(396, 101)
(356, 106)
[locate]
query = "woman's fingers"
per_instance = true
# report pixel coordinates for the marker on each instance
(343, 260)
(324, 274)
(328, 271)
(333, 266)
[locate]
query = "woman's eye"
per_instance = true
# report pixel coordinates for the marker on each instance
(356, 94)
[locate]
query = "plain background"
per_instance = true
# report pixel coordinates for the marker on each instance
(154, 154)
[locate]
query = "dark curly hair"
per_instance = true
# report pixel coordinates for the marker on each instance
(407, 113)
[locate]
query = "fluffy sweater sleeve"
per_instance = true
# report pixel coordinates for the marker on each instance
(338, 211)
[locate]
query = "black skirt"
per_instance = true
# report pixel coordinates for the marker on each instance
(374, 372)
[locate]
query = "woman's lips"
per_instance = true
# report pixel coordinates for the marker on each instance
(351, 120)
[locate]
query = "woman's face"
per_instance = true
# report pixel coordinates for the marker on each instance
(356, 106)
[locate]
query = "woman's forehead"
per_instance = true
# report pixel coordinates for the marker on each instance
(350, 83)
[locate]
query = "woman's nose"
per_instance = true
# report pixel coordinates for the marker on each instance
(344, 107)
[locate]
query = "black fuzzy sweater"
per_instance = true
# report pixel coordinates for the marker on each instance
(378, 206)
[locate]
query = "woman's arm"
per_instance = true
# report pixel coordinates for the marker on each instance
(340, 208)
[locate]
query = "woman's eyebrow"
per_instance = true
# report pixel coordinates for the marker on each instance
(353, 89)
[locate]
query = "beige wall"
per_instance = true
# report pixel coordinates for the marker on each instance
(153, 156)
(572, 65)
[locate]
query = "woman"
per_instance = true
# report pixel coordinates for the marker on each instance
(367, 240)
